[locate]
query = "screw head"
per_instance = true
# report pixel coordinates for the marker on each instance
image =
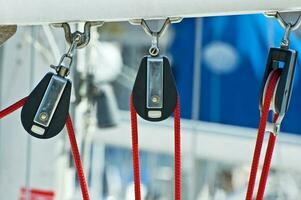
(155, 99)
(43, 116)
(154, 51)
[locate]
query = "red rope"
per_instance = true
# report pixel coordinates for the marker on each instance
(74, 148)
(260, 135)
(266, 167)
(13, 107)
(177, 126)
(77, 160)
(135, 149)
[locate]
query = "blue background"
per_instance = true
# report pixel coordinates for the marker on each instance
(232, 98)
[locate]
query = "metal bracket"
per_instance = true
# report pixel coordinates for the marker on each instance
(154, 79)
(154, 49)
(76, 40)
(288, 26)
(49, 103)
(273, 128)
(84, 36)
(283, 23)
(63, 68)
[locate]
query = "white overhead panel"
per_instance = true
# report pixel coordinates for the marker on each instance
(50, 11)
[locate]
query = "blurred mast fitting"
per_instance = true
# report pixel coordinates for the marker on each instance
(7, 32)
(132, 9)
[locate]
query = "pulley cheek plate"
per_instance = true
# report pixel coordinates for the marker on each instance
(286, 61)
(167, 96)
(31, 107)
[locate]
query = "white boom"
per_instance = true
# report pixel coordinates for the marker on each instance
(50, 11)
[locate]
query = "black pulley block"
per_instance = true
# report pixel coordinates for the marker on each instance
(154, 93)
(45, 112)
